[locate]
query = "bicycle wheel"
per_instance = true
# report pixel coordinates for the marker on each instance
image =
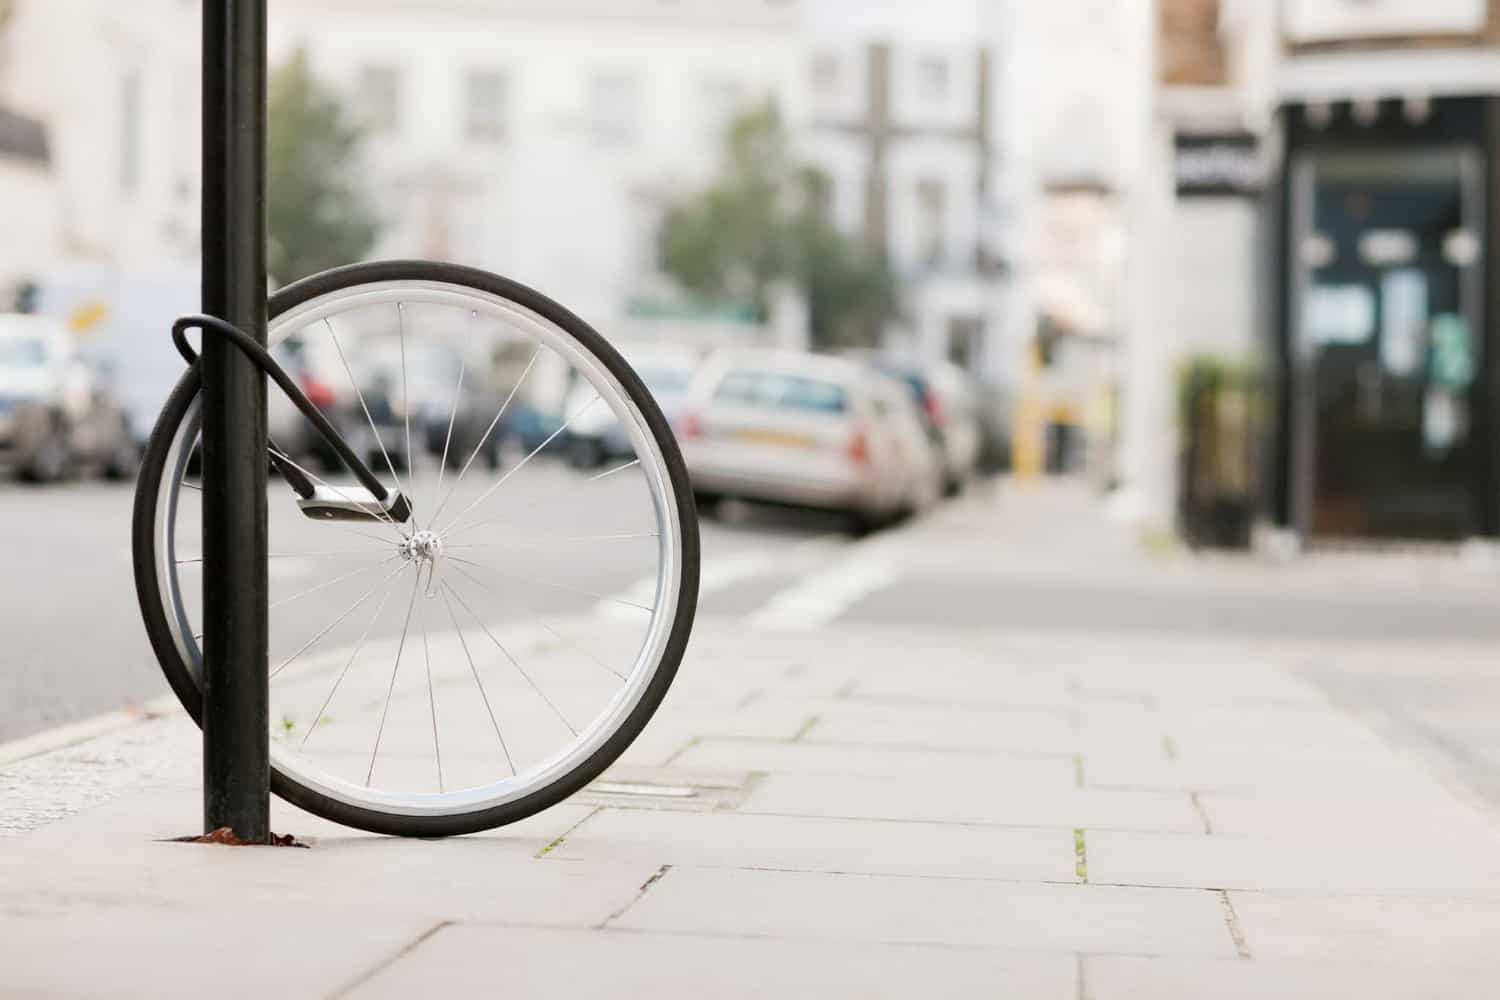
(496, 651)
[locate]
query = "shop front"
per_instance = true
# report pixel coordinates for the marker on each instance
(1384, 423)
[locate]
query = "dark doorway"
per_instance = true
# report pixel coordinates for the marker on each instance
(1388, 328)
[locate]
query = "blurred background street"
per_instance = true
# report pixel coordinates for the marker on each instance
(1130, 366)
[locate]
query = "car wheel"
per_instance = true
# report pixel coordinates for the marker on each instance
(122, 463)
(707, 504)
(585, 453)
(49, 462)
(866, 522)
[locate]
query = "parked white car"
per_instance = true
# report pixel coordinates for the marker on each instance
(804, 430)
(594, 435)
(55, 413)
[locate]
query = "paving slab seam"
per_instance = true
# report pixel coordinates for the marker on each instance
(977, 706)
(558, 841)
(1198, 807)
(656, 877)
(390, 960)
(672, 757)
(823, 938)
(1063, 827)
(924, 747)
(908, 876)
(1232, 924)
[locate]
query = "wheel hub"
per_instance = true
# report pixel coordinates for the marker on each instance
(423, 546)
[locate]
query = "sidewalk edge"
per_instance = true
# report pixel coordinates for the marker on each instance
(73, 733)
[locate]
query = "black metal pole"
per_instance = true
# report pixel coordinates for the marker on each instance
(236, 733)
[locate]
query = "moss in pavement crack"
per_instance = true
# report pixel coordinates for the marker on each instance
(806, 727)
(1080, 857)
(556, 843)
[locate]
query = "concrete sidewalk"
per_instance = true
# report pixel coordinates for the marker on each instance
(841, 812)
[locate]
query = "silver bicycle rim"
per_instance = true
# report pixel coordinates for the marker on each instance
(669, 571)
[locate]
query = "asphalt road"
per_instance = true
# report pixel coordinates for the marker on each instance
(74, 645)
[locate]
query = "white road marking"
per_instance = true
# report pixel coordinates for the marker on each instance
(721, 573)
(821, 597)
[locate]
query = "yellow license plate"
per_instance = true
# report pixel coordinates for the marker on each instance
(781, 439)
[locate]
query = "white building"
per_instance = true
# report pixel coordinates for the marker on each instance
(906, 113)
(542, 139)
(117, 89)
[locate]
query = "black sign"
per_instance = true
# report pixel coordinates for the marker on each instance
(1226, 164)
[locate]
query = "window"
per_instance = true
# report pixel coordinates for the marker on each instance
(22, 352)
(130, 131)
(825, 73)
(932, 78)
(614, 100)
(380, 90)
(790, 392)
(931, 207)
(485, 99)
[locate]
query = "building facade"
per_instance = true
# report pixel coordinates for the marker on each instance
(116, 88)
(543, 140)
(904, 114)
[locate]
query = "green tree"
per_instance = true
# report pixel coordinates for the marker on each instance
(319, 215)
(765, 219)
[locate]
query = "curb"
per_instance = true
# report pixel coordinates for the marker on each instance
(73, 733)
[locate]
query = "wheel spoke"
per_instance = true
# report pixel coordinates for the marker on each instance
(364, 406)
(477, 682)
(513, 662)
(552, 583)
(543, 623)
(296, 555)
(463, 364)
(416, 585)
(358, 647)
(437, 747)
(518, 466)
(334, 624)
(329, 583)
(406, 404)
(478, 447)
(538, 501)
(555, 539)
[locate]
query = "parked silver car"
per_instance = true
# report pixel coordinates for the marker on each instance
(56, 414)
(805, 430)
(946, 397)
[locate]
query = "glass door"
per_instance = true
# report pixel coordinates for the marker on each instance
(1386, 278)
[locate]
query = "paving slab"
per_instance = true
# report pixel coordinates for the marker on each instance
(956, 912)
(1248, 771)
(807, 756)
(821, 845)
(1041, 732)
(1112, 977)
(230, 948)
(1398, 930)
(956, 800)
(1372, 862)
(467, 960)
(1346, 814)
